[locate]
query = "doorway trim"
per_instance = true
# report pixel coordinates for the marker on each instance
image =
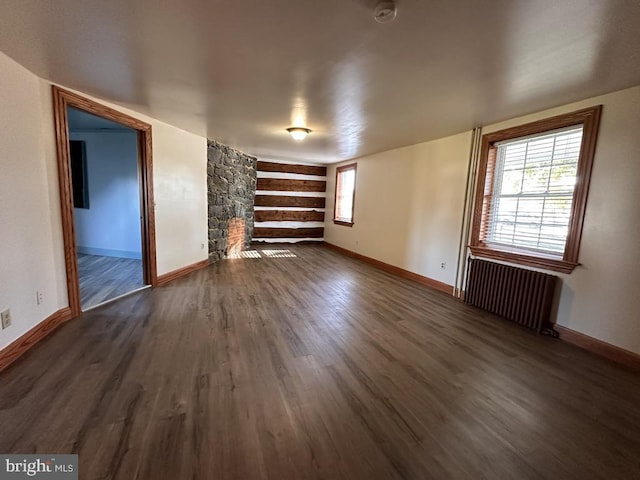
(61, 100)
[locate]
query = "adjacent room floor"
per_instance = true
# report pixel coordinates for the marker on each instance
(313, 365)
(105, 278)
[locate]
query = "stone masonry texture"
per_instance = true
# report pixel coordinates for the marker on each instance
(231, 182)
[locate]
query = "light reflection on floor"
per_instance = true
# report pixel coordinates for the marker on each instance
(278, 253)
(265, 253)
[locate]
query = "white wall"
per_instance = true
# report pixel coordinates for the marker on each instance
(111, 225)
(27, 255)
(31, 247)
(180, 188)
(409, 210)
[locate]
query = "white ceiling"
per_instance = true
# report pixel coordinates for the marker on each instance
(241, 71)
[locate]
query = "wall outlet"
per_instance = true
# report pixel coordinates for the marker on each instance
(39, 297)
(6, 318)
(443, 266)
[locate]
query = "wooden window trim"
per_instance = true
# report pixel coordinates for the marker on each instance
(339, 170)
(589, 118)
(340, 222)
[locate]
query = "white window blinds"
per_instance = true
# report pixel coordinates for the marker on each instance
(529, 193)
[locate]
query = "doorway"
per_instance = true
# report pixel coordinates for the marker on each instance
(100, 268)
(106, 207)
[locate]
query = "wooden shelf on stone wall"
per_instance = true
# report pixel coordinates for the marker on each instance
(264, 232)
(285, 201)
(289, 216)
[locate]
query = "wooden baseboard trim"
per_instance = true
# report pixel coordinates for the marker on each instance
(19, 347)
(181, 272)
(604, 349)
(400, 272)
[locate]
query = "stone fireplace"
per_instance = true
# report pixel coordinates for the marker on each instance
(231, 183)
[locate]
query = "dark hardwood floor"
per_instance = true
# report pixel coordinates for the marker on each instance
(105, 278)
(316, 367)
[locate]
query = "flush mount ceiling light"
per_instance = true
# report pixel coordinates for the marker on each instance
(298, 133)
(385, 12)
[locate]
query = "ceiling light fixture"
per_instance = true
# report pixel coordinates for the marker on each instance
(298, 133)
(385, 12)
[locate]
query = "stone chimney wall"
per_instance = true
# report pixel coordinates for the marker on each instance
(231, 181)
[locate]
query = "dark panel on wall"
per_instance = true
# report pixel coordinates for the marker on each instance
(263, 232)
(289, 216)
(286, 185)
(79, 175)
(282, 201)
(285, 168)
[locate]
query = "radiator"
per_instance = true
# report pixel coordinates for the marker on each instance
(520, 295)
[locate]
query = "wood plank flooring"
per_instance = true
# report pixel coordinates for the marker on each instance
(316, 366)
(103, 278)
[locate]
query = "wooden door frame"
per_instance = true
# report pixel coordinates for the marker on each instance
(61, 100)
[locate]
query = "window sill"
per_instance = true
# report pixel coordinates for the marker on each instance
(340, 222)
(543, 263)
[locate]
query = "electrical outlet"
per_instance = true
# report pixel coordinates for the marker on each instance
(39, 297)
(443, 266)
(6, 318)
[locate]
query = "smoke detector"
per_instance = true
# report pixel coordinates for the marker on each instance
(385, 12)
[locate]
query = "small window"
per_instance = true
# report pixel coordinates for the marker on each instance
(532, 191)
(345, 195)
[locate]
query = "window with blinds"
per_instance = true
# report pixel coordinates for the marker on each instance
(345, 194)
(532, 191)
(531, 195)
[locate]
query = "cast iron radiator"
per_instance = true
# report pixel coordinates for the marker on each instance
(523, 296)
